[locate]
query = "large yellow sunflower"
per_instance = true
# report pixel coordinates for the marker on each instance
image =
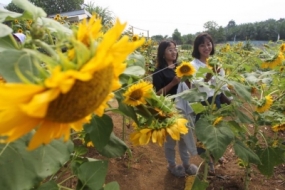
(275, 61)
(157, 132)
(267, 102)
(137, 93)
(72, 92)
(278, 127)
(185, 69)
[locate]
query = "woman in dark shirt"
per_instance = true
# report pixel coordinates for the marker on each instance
(166, 82)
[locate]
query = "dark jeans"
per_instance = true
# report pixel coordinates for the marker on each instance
(217, 101)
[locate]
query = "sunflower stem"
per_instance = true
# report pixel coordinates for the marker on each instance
(123, 132)
(63, 187)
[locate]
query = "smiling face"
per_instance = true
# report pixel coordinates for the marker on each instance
(170, 54)
(205, 49)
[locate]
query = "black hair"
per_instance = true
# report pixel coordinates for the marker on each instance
(200, 39)
(160, 61)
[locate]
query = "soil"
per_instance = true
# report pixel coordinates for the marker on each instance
(146, 169)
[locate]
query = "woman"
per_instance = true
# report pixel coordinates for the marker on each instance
(166, 82)
(203, 49)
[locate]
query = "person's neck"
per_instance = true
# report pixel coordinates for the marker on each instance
(203, 60)
(169, 63)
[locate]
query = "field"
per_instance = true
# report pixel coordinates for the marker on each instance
(146, 169)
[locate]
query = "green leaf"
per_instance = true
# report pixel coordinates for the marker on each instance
(92, 175)
(115, 147)
(191, 95)
(4, 30)
(215, 138)
(99, 130)
(270, 157)
(135, 70)
(50, 185)
(112, 186)
(198, 108)
(199, 184)
(4, 13)
(23, 169)
(10, 59)
(243, 117)
(245, 153)
(80, 150)
(241, 90)
(125, 109)
(6, 43)
(136, 59)
(54, 26)
(29, 7)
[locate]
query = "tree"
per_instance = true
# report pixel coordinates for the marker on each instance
(216, 31)
(176, 36)
(231, 24)
(188, 39)
(52, 6)
(14, 8)
(104, 13)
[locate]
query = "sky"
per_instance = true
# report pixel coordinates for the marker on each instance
(162, 17)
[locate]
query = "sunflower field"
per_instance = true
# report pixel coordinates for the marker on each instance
(56, 87)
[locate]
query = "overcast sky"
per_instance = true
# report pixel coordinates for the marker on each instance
(164, 16)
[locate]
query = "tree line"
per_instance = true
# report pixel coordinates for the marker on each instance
(269, 30)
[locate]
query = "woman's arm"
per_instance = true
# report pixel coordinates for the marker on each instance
(168, 87)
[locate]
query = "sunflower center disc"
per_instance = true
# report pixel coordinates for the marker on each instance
(82, 99)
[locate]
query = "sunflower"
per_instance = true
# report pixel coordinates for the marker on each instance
(20, 30)
(278, 127)
(185, 69)
(16, 21)
(135, 37)
(156, 134)
(137, 93)
(275, 61)
(74, 90)
(217, 120)
(281, 69)
(267, 102)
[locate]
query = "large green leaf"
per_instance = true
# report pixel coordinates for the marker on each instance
(245, 153)
(4, 13)
(136, 59)
(199, 184)
(54, 26)
(191, 95)
(215, 138)
(241, 90)
(12, 59)
(23, 169)
(115, 147)
(135, 70)
(243, 117)
(50, 185)
(4, 30)
(92, 175)
(29, 7)
(6, 43)
(112, 186)
(270, 157)
(99, 130)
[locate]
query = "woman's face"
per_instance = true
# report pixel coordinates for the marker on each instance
(205, 49)
(170, 53)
